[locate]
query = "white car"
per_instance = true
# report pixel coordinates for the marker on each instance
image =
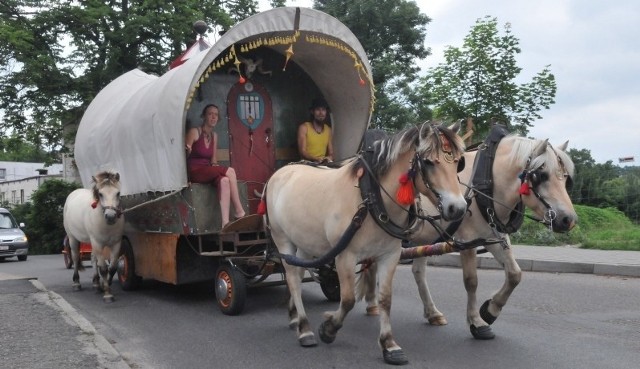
(13, 241)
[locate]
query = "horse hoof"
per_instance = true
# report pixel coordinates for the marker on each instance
(108, 298)
(293, 324)
(77, 287)
(324, 335)
(438, 320)
(373, 310)
(485, 314)
(482, 333)
(308, 341)
(395, 357)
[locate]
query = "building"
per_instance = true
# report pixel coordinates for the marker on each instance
(19, 180)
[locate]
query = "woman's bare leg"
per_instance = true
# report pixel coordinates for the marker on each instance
(223, 187)
(235, 196)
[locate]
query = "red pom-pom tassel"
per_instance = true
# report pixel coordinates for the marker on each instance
(524, 189)
(405, 194)
(94, 204)
(262, 207)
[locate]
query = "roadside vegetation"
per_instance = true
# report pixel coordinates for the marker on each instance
(604, 229)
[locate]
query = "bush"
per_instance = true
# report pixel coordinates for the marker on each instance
(43, 216)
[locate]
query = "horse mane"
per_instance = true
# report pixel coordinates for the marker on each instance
(104, 178)
(386, 150)
(522, 148)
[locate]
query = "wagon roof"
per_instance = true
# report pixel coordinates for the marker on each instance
(133, 125)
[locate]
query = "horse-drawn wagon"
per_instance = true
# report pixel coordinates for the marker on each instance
(262, 73)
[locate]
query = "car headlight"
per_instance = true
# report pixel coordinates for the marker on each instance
(20, 239)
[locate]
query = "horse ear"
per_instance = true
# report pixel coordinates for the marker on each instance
(117, 177)
(564, 146)
(93, 178)
(541, 148)
(455, 127)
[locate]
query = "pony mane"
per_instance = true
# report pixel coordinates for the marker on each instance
(522, 148)
(424, 139)
(103, 179)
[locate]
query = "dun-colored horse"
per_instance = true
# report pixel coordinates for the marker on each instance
(94, 216)
(524, 173)
(310, 213)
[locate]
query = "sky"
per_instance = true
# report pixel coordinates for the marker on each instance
(591, 47)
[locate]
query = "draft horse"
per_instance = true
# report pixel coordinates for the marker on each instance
(511, 173)
(94, 216)
(310, 216)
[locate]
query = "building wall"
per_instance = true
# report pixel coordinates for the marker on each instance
(19, 180)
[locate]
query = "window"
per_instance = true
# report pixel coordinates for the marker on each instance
(22, 196)
(3, 174)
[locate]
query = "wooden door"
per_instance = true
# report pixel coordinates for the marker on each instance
(252, 150)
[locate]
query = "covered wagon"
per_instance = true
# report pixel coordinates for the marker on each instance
(262, 73)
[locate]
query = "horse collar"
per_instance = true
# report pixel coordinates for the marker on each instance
(482, 182)
(370, 191)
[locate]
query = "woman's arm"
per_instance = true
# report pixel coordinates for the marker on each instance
(190, 138)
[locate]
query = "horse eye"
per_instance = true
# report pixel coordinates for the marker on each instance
(544, 177)
(461, 164)
(427, 162)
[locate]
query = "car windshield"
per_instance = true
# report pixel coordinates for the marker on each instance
(7, 222)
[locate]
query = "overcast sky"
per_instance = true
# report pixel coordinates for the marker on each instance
(592, 48)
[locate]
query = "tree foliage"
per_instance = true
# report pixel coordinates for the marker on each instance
(605, 185)
(392, 33)
(477, 80)
(55, 56)
(13, 148)
(43, 216)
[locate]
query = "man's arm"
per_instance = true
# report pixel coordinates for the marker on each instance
(330, 145)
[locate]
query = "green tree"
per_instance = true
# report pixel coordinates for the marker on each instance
(56, 55)
(13, 148)
(477, 81)
(392, 33)
(43, 216)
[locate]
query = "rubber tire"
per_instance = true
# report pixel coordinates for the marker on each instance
(22, 257)
(68, 261)
(330, 286)
(128, 279)
(231, 290)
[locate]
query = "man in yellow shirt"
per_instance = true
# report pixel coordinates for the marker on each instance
(314, 138)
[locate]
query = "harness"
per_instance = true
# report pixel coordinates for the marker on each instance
(482, 184)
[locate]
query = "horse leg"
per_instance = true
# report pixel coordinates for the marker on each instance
(103, 271)
(74, 246)
(366, 285)
(431, 312)
(479, 328)
(345, 265)
(391, 351)
(96, 277)
(491, 308)
(113, 268)
(297, 313)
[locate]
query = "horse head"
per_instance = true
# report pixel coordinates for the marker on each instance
(437, 162)
(106, 193)
(547, 176)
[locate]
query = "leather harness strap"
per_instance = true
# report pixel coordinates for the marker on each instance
(482, 183)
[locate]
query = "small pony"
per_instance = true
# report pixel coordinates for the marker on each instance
(94, 216)
(313, 211)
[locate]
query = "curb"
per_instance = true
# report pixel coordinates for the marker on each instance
(107, 355)
(549, 266)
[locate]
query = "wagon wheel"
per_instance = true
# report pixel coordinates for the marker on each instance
(231, 290)
(68, 261)
(127, 268)
(329, 283)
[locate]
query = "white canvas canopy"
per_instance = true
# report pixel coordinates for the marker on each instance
(136, 124)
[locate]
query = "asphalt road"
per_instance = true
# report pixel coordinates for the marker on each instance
(551, 321)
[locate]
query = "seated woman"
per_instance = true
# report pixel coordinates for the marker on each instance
(202, 165)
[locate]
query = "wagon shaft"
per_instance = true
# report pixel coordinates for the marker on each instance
(439, 248)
